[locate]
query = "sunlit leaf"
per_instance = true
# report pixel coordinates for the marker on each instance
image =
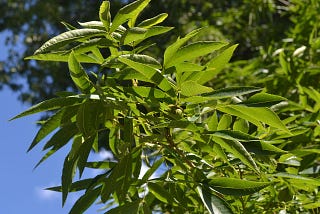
(237, 187)
(129, 12)
(70, 36)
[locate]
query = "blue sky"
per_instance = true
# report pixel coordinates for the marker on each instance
(21, 186)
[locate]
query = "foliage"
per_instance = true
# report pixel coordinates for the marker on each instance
(222, 148)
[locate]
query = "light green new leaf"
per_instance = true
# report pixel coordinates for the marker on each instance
(79, 75)
(193, 51)
(191, 88)
(263, 100)
(48, 105)
(129, 12)
(46, 128)
(217, 63)
(152, 74)
(238, 150)
(213, 203)
(85, 201)
(70, 36)
(153, 21)
(237, 187)
(173, 48)
(104, 14)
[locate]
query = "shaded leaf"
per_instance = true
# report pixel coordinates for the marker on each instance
(51, 104)
(46, 128)
(128, 208)
(153, 74)
(213, 203)
(85, 201)
(238, 150)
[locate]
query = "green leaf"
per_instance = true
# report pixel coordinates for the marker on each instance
(236, 187)
(152, 74)
(79, 75)
(224, 122)
(261, 114)
(129, 12)
(232, 92)
(85, 201)
(193, 51)
(48, 105)
(160, 193)
(297, 178)
(217, 64)
(241, 125)
(46, 128)
(191, 88)
(70, 36)
(133, 34)
(233, 135)
(153, 21)
(76, 186)
(263, 100)
(128, 208)
(101, 165)
(262, 148)
(68, 172)
(152, 170)
(238, 150)
(88, 118)
(213, 203)
(172, 49)
(62, 136)
(104, 14)
(143, 59)
(84, 150)
(62, 56)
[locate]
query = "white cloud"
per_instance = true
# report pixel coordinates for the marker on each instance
(44, 194)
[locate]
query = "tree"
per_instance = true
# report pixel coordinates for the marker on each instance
(222, 150)
(31, 23)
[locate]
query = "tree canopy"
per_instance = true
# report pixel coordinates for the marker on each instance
(241, 137)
